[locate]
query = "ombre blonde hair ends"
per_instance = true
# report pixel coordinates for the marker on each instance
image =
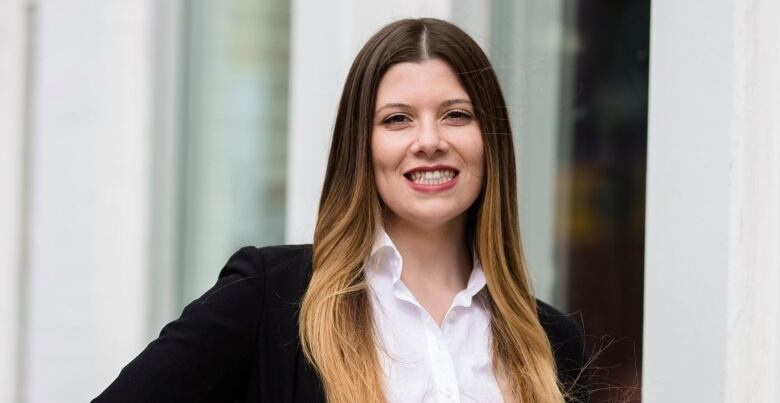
(336, 323)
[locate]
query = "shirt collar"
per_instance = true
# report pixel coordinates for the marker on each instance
(385, 258)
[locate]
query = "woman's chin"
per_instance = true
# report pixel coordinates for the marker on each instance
(430, 220)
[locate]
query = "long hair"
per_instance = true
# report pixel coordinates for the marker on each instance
(336, 323)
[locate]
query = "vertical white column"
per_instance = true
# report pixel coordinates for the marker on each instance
(89, 208)
(713, 203)
(165, 161)
(13, 42)
(753, 312)
(322, 51)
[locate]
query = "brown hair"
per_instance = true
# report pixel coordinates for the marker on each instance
(336, 323)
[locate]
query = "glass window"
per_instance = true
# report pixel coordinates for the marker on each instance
(575, 75)
(236, 61)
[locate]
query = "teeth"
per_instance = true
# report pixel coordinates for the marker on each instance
(432, 177)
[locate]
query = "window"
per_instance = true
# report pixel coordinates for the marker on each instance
(234, 134)
(575, 78)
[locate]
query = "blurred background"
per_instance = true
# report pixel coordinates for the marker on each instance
(143, 142)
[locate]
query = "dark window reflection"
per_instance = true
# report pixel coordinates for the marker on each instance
(605, 174)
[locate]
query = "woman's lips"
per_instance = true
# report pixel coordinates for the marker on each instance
(430, 169)
(430, 188)
(432, 178)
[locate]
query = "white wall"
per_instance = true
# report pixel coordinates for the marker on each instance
(165, 155)
(713, 203)
(90, 145)
(12, 125)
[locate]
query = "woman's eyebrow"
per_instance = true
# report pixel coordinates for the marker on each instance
(393, 105)
(451, 102)
(444, 104)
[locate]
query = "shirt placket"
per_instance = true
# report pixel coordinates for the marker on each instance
(442, 365)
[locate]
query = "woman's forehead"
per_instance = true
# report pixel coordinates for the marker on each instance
(429, 81)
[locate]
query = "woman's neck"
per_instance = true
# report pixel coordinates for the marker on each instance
(436, 259)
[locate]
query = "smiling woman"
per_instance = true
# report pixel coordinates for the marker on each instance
(415, 287)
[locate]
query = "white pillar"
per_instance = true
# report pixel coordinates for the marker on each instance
(89, 204)
(13, 39)
(713, 203)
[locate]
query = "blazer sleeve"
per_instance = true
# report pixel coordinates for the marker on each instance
(204, 355)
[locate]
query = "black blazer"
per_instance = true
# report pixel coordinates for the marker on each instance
(239, 341)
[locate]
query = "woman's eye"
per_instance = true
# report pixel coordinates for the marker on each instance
(395, 120)
(458, 116)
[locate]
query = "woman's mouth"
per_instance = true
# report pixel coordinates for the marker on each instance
(432, 179)
(436, 177)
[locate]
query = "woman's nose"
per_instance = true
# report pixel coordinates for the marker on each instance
(429, 139)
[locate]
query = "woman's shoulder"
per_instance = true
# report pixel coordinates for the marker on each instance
(219, 329)
(284, 269)
(279, 254)
(252, 261)
(568, 345)
(558, 326)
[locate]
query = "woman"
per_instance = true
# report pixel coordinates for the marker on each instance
(415, 287)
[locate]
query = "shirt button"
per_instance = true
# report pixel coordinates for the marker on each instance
(447, 392)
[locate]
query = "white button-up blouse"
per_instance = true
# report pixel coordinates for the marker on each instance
(421, 361)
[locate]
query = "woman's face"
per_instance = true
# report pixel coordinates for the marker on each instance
(426, 144)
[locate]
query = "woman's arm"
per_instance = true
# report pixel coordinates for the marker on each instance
(204, 355)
